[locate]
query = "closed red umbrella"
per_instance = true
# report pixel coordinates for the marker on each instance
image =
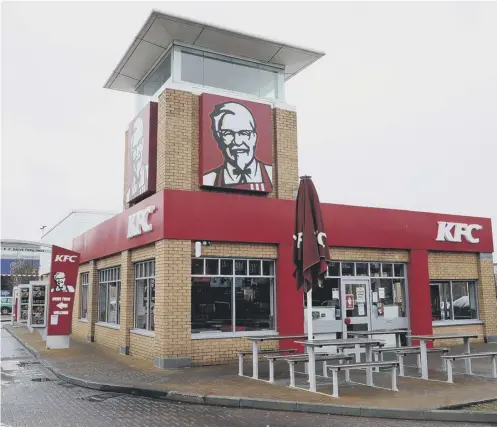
(310, 248)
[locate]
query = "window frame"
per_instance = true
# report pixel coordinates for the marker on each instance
(84, 280)
(107, 281)
(452, 321)
(136, 267)
(233, 276)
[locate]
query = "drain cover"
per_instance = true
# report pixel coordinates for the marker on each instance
(40, 379)
(101, 397)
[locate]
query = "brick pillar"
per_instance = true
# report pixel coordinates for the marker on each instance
(285, 169)
(487, 302)
(172, 303)
(92, 300)
(126, 301)
(175, 130)
(419, 293)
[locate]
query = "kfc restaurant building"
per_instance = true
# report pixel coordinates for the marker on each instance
(201, 256)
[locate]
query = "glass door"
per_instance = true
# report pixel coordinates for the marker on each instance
(356, 304)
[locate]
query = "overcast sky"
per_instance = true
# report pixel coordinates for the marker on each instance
(400, 113)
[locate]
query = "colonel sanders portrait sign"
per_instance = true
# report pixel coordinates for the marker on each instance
(141, 154)
(236, 144)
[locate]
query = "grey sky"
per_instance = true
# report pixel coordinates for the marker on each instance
(400, 113)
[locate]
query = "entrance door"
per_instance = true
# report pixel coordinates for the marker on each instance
(356, 305)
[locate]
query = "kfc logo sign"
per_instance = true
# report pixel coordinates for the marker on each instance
(138, 222)
(454, 232)
(320, 236)
(65, 258)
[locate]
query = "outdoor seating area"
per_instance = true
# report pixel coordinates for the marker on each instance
(324, 359)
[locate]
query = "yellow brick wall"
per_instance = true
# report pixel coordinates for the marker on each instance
(224, 350)
(112, 261)
(173, 298)
(364, 254)
(141, 346)
(143, 253)
(452, 265)
(457, 329)
(245, 250)
(487, 300)
(285, 168)
(108, 337)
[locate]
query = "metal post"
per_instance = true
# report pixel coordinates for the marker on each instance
(310, 350)
(394, 379)
(271, 371)
(255, 360)
(369, 369)
(335, 383)
(467, 361)
(424, 359)
(292, 374)
(449, 371)
(240, 364)
(494, 367)
(401, 365)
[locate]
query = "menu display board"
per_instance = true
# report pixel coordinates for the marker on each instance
(38, 305)
(23, 304)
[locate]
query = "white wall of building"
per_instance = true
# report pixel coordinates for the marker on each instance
(63, 233)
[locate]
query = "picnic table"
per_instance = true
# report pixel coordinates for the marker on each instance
(396, 332)
(312, 345)
(423, 339)
(256, 340)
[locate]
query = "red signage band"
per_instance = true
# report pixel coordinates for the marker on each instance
(63, 278)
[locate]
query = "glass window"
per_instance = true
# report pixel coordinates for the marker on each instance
(145, 294)
(374, 269)
(398, 270)
(235, 301)
(108, 295)
(231, 74)
(197, 266)
(453, 300)
(361, 269)
(388, 298)
(212, 267)
(156, 79)
(386, 270)
(334, 269)
(348, 269)
(83, 314)
(325, 296)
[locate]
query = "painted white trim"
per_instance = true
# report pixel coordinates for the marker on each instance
(83, 320)
(144, 332)
(108, 325)
(222, 335)
(439, 323)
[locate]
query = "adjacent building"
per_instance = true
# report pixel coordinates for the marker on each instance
(201, 256)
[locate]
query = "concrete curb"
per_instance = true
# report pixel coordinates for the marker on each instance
(444, 414)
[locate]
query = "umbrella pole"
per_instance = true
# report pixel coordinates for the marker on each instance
(310, 350)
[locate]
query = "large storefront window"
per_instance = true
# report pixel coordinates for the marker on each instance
(83, 313)
(453, 300)
(145, 295)
(109, 288)
(387, 286)
(232, 295)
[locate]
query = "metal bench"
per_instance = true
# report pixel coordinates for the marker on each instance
(453, 357)
(402, 353)
(242, 354)
(304, 358)
(347, 366)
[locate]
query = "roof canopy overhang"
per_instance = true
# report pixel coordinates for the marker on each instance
(161, 30)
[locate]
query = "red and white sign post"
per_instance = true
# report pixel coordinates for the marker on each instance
(63, 278)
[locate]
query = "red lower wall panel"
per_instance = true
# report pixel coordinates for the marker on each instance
(419, 294)
(289, 301)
